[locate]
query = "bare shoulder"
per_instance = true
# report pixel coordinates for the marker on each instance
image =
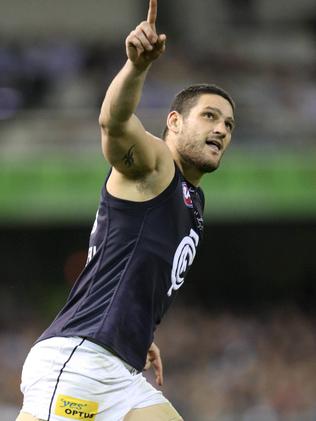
(164, 153)
(144, 186)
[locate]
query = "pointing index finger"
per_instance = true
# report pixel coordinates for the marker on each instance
(152, 12)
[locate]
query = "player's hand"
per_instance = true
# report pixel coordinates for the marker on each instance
(144, 45)
(154, 359)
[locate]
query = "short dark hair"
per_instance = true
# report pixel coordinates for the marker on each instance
(187, 98)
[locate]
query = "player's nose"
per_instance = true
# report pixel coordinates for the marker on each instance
(220, 128)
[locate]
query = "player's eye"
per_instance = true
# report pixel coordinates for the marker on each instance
(229, 125)
(209, 115)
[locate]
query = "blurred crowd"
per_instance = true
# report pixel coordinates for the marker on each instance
(226, 367)
(218, 367)
(267, 64)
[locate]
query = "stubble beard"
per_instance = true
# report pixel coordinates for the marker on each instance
(194, 157)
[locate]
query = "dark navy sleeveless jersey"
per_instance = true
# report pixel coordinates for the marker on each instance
(139, 254)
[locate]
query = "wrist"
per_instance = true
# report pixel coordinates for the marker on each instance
(138, 69)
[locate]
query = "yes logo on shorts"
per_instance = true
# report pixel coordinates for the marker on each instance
(75, 409)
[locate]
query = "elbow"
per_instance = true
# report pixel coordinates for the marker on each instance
(111, 128)
(107, 126)
(106, 118)
(103, 121)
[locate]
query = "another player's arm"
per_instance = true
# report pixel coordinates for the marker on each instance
(125, 143)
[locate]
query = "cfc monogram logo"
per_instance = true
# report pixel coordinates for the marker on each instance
(76, 409)
(183, 259)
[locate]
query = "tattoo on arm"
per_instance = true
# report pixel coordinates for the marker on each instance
(129, 157)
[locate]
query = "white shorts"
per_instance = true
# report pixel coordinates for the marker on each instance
(75, 379)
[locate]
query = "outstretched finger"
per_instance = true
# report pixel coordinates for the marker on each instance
(152, 12)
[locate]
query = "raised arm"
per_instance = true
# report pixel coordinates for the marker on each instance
(125, 143)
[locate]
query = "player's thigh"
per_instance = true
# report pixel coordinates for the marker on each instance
(23, 416)
(159, 412)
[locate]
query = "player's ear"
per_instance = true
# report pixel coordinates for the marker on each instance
(174, 122)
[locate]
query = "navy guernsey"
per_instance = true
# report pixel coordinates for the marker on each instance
(139, 254)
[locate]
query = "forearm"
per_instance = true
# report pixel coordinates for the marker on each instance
(122, 96)
(143, 46)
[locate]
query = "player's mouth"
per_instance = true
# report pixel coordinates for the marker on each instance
(214, 144)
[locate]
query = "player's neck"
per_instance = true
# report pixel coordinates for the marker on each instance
(189, 172)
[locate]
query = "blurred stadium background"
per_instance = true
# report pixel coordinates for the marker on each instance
(240, 343)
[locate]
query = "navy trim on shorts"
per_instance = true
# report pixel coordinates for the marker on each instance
(58, 378)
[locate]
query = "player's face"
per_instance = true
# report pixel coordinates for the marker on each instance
(206, 132)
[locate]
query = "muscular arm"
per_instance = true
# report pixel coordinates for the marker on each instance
(125, 142)
(124, 138)
(122, 98)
